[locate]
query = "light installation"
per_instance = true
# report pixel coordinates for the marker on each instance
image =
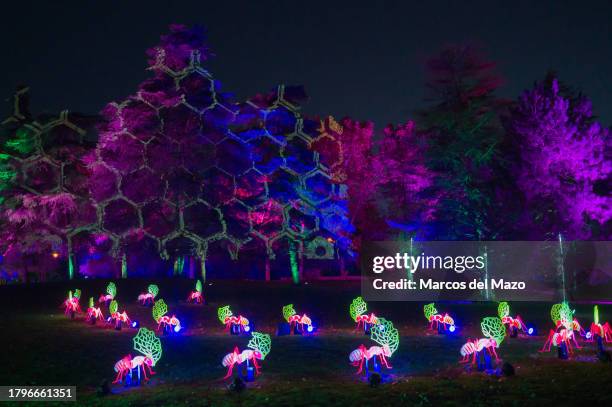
(235, 324)
(440, 321)
(150, 349)
(494, 332)
(599, 332)
(111, 292)
(94, 313)
(258, 348)
(148, 298)
(301, 323)
(563, 334)
(385, 335)
(196, 295)
(71, 304)
(169, 324)
(514, 324)
(116, 317)
(182, 170)
(357, 310)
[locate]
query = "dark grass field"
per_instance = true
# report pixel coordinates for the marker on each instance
(40, 346)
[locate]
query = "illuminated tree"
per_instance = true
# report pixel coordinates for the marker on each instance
(464, 139)
(564, 165)
(43, 194)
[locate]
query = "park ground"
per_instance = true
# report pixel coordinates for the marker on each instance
(41, 346)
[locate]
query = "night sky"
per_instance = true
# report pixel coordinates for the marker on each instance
(356, 58)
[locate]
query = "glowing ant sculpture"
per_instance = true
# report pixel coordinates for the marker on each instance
(196, 296)
(111, 293)
(169, 324)
(432, 316)
(94, 313)
(387, 336)
(148, 298)
(514, 324)
(294, 319)
(236, 324)
(149, 346)
(494, 332)
(357, 310)
(259, 347)
(598, 331)
(116, 317)
(71, 304)
(563, 334)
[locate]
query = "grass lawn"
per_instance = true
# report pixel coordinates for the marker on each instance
(40, 346)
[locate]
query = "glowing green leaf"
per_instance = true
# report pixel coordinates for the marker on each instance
(77, 293)
(198, 286)
(493, 328)
(148, 344)
(596, 315)
(288, 312)
(153, 290)
(385, 334)
(223, 313)
(159, 309)
(113, 306)
(357, 307)
(503, 309)
(111, 289)
(429, 310)
(260, 342)
(91, 302)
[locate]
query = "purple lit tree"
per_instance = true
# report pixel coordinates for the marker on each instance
(565, 168)
(43, 188)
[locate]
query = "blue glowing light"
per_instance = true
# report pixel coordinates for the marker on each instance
(588, 335)
(135, 324)
(530, 331)
(247, 328)
(177, 328)
(452, 328)
(310, 328)
(109, 319)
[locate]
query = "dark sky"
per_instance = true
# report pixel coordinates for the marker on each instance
(358, 59)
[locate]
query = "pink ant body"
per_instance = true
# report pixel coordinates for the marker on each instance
(121, 316)
(300, 320)
(105, 298)
(237, 358)
(557, 338)
(362, 354)
(146, 298)
(166, 320)
(514, 322)
(366, 319)
(477, 345)
(124, 366)
(603, 331)
(239, 320)
(71, 305)
(440, 319)
(196, 296)
(94, 313)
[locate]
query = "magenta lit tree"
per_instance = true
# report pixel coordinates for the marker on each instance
(564, 164)
(43, 188)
